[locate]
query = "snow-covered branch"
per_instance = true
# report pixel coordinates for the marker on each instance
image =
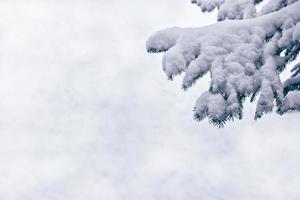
(229, 9)
(244, 57)
(240, 9)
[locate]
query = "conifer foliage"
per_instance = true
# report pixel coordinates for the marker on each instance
(244, 52)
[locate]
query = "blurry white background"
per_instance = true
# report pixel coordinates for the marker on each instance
(86, 113)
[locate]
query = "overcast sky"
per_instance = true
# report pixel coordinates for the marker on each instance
(87, 114)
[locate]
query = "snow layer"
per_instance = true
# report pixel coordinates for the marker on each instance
(229, 9)
(243, 58)
(240, 9)
(291, 101)
(274, 5)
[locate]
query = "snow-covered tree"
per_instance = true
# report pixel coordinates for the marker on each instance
(244, 52)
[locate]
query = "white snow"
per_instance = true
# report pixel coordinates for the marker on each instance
(291, 101)
(86, 114)
(229, 9)
(240, 61)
